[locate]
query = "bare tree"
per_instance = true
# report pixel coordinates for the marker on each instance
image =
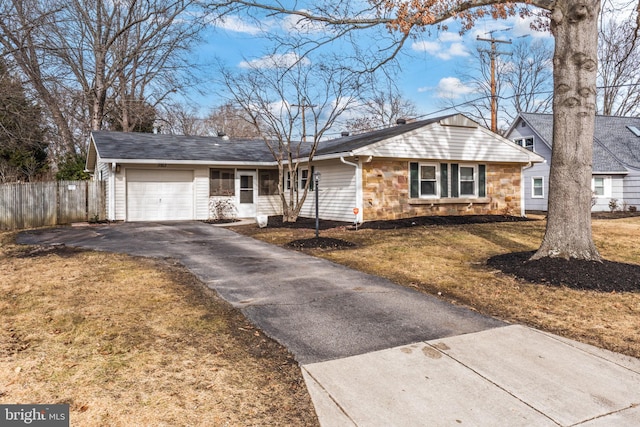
(383, 109)
(232, 120)
(573, 23)
(523, 83)
(476, 75)
(292, 106)
(618, 72)
(130, 51)
(529, 77)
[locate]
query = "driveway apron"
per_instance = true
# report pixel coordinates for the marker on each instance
(317, 309)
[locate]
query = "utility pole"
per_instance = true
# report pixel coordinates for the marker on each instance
(304, 106)
(493, 53)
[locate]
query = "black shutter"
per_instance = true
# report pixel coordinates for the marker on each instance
(414, 181)
(482, 181)
(454, 180)
(444, 180)
(312, 178)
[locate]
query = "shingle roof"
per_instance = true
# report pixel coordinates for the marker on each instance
(615, 147)
(145, 146)
(347, 144)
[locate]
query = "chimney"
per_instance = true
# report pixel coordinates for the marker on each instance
(401, 121)
(344, 133)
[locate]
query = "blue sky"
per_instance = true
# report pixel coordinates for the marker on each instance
(430, 65)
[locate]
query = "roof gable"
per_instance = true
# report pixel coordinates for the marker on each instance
(615, 146)
(454, 138)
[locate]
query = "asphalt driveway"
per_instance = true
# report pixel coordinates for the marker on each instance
(317, 309)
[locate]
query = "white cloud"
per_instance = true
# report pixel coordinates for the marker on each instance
(439, 50)
(275, 61)
(451, 88)
(448, 36)
(237, 25)
(298, 24)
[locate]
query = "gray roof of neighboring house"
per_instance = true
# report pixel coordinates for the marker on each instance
(146, 146)
(615, 146)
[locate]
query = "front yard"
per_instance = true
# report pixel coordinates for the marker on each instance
(450, 261)
(130, 341)
(135, 342)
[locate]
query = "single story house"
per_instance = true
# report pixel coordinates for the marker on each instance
(616, 159)
(442, 166)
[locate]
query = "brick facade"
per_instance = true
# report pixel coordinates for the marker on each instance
(385, 186)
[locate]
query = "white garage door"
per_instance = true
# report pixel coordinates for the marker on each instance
(159, 195)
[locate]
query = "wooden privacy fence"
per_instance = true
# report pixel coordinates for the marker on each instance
(38, 204)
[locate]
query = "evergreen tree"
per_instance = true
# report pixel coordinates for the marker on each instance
(23, 150)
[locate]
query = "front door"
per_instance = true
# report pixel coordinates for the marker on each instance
(247, 192)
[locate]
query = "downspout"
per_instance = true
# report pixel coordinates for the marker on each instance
(358, 172)
(522, 189)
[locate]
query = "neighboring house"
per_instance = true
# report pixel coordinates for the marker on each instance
(442, 166)
(616, 159)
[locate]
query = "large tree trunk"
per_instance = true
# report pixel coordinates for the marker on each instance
(568, 234)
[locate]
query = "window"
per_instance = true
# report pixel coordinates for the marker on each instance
(525, 142)
(537, 187)
(287, 179)
(304, 176)
(467, 181)
(444, 180)
(428, 180)
(598, 186)
(267, 182)
(221, 182)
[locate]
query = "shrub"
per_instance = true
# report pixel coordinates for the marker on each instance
(221, 209)
(613, 205)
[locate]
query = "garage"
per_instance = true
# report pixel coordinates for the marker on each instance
(159, 195)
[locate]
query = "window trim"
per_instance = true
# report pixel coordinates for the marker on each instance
(533, 187)
(521, 142)
(436, 181)
(476, 178)
(448, 183)
(273, 177)
(232, 189)
(606, 186)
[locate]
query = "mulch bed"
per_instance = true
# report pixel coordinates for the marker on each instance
(276, 222)
(605, 276)
(320, 243)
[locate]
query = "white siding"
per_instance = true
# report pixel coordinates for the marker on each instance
(120, 198)
(614, 189)
(450, 143)
(337, 196)
(201, 193)
(103, 172)
(269, 205)
(631, 188)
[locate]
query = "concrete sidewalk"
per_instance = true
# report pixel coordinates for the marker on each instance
(377, 354)
(512, 376)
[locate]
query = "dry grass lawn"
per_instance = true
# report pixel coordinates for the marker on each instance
(450, 261)
(135, 342)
